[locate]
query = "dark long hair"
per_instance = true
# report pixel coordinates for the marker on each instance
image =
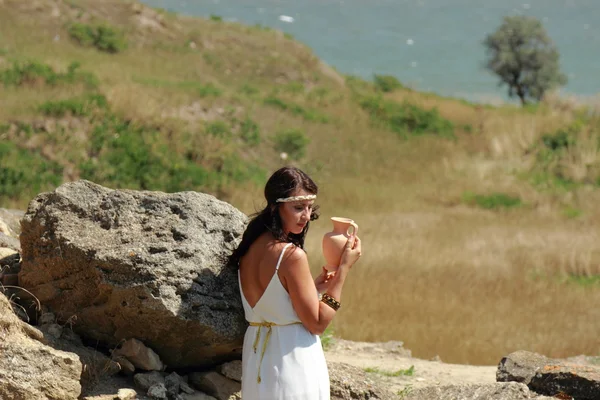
(283, 183)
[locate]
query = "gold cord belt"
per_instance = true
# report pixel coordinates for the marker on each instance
(269, 326)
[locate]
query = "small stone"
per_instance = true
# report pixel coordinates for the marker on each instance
(232, 370)
(141, 356)
(47, 318)
(173, 383)
(126, 366)
(145, 380)
(185, 388)
(54, 330)
(126, 394)
(157, 391)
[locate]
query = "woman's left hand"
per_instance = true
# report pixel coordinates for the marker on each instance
(322, 281)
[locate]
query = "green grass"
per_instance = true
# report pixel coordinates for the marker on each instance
(25, 173)
(295, 109)
(592, 281)
(406, 118)
(83, 106)
(492, 201)
(35, 73)
(293, 142)
(387, 83)
(328, 338)
(401, 372)
(103, 36)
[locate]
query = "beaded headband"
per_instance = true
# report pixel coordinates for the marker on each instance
(296, 198)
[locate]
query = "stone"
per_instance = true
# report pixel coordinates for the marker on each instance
(145, 380)
(29, 369)
(139, 355)
(488, 391)
(54, 330)
(9, 242)
(216, 385)
(47, 318)
(11, 221)
(138, 264)
(126, 366)
(95, 365)
(173, 383)
(350, 383)
(126, 394)
(196, 396)
(157, 391)
(232, 370)
(550, 377)
(185, 388)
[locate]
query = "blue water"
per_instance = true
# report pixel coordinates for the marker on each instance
(431, 45)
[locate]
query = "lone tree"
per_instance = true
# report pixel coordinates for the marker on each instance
(524, 58)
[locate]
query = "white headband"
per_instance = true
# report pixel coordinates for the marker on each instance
(297, 198)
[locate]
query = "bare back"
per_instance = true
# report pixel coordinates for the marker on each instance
(258, 265)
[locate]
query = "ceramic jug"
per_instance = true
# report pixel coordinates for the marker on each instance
(334, 241)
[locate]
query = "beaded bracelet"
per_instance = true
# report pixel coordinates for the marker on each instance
(330, 301)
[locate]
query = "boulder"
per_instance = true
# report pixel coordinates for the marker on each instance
(351, 383)
(28, 368)
(139, 355)
(11, 222)
(138, 264)
(487, 391)
(550, 377)
(232, 370)
(9, 242)
(216, 385)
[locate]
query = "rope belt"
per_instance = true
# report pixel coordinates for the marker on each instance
(269, 326)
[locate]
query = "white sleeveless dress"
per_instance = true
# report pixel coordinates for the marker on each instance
(293, 365)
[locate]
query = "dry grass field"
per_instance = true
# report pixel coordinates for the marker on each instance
(475, 245)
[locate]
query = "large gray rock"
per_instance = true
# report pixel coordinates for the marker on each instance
(350, 383)
(30, 370)
(488, 391)
(550, 377)
(125, 264)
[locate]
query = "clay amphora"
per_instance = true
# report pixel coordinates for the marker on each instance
(334, 241)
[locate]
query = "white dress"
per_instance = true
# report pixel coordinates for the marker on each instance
(293, 365)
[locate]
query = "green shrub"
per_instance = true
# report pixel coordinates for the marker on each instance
(101, 36)
(296, 109)
(123, 154)
(410, 371)
(25, 173)
(33, 73)
(387, 83)
(293, 142)
(493, 201)
(249, 89)
(218, 129)
(572, 212)
(407, 118)
(216, 18)
(79, 106)
(327, 338)
(209, 90)
(561, 139)
(250, 132)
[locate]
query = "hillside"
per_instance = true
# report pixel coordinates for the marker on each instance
(480, 223)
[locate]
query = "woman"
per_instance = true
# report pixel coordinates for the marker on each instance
(282, 356)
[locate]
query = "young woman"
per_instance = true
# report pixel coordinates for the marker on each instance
(282, 357)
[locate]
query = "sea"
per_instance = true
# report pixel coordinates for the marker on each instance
(429, 45)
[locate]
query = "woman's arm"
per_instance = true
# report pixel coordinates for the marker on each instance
(314, 314)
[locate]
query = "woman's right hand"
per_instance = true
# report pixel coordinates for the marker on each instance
(352, 251)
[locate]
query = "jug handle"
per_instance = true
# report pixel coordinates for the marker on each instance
(354, 229)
